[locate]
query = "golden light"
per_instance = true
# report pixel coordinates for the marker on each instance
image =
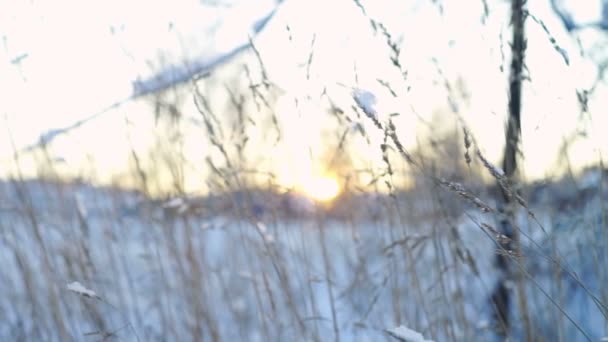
(321, 188)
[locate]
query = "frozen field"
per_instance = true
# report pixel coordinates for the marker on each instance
(235, 276)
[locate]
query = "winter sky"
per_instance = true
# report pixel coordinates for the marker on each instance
(63, 61)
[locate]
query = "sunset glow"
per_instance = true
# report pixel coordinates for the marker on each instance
(319, 66)
(322, 188)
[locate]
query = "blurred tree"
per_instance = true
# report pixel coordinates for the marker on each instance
(501, 298)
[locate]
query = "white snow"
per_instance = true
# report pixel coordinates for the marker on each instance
(366, 100)
(174, 203)
(406, 334)
(136, 259)
(78, 288)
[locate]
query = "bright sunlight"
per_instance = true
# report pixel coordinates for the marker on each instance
(321, 188)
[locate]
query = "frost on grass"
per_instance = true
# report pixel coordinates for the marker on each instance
(178, 204)
(366, 101)
(78, 288)
(263, 230)
(405, 334)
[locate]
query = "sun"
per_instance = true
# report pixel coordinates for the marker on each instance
(321, 188)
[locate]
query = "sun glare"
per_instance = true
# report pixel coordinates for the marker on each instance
(322, 188)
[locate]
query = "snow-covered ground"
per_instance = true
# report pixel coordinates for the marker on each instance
(158, 277)
(86, 263)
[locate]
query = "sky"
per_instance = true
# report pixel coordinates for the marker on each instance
(60, 66)
(467, 48)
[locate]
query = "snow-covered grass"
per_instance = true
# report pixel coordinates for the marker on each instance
(80, 263)
(406, 334)
(253, 261)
